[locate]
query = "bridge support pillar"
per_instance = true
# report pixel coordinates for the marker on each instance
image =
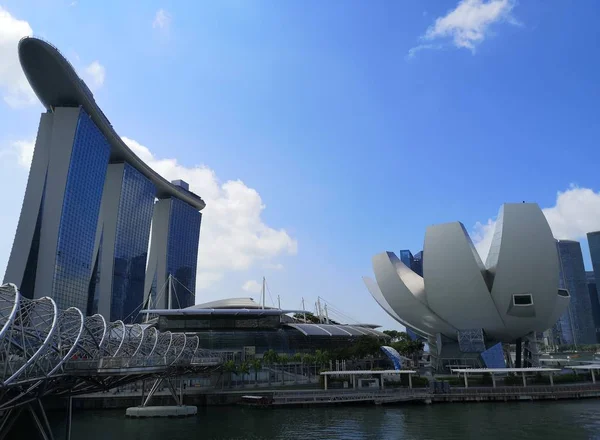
(69, 418)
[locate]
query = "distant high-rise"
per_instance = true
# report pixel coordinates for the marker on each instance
(418, 263)
(576, 325)
(83, 233)
(407, 258)
(592, 290)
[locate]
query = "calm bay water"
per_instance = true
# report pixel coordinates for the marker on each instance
(571, 420)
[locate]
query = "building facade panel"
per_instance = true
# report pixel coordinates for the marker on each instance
(131, 244)
(182, 250)
(79, 215)
(576, 325)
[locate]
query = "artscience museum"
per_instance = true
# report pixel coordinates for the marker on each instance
(468, 311)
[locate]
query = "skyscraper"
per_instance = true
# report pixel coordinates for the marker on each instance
(54, 244)
(576, 325)
(176, 227)
(122, 243)
(592, 290)
(407, 258)
(418, 263)
(83, 233)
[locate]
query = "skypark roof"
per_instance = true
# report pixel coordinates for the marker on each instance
(56, 84)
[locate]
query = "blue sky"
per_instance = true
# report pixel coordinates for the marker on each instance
(315, 133)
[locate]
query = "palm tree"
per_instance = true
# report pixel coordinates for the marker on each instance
(256, 365)
(321, 357)
(229, 367)
(243, 369)
(308, 359)
(270, 357)
(296, 358)
(284, 359)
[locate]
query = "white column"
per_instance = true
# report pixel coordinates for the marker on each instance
(466, 381)
(551, 378)
(325, 376)
(493, 380)
(409, 380)
(354, 381)
(382, 384)
(593, 376)
(524, 380)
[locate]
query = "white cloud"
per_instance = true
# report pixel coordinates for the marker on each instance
(94, 75)
(17, 92)
(252, 286)
(273, 266)
(468, 24)
(233, 235)
(162, 20)
(24, 150)
(576, 212)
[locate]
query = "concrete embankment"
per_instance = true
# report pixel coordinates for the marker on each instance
(313, 397)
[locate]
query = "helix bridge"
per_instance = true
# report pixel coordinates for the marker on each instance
(45, 351)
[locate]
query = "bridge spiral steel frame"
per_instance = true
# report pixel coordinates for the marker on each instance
(45, 351)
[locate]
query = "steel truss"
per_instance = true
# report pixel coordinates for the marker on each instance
(44, 351)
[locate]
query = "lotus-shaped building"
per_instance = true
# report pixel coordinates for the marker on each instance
(465, 307)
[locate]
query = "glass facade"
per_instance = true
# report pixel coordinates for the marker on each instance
(266, 333)
(576, 325)
(591, 283)
(415, 263)
(134, 217)
(182, 251)
(406, 257)
(417, 266)
(79, 217)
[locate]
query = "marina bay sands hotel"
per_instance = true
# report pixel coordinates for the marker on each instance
(99, 229)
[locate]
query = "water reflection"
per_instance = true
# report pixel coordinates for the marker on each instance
(570, 420)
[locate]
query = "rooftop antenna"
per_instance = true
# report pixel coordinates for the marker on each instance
(304, 310)
(169, 293)
(263, 293)
(319, 309)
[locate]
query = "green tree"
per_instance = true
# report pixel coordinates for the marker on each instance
(284, 359)
(296, 359)
(243, 369)
(309, 360)
(321, 357)
(229, 367)
(256, 365)
(270, 358)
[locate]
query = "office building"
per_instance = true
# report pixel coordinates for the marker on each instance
(576, 324)
(415, 263)
(83, 233)
(593, 292)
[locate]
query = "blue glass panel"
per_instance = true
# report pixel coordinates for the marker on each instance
(411, 334)
(394, 356)
(79, 217)
(182, 258)
(134, 218)
(493, 357)
(576, 325)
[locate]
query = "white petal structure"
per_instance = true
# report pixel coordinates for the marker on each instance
(514, 293)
